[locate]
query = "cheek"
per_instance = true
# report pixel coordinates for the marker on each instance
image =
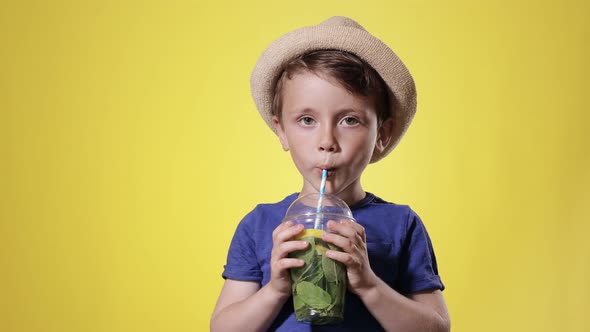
(364, 142)
(299, 144)
(300, 139)
(362, 149)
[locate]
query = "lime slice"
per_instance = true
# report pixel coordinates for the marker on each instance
(317, 233)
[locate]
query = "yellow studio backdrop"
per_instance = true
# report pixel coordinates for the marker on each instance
(130, 149)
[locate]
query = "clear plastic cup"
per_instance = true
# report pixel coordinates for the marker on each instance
(319, 286)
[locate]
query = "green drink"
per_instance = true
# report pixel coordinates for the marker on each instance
(319, 286)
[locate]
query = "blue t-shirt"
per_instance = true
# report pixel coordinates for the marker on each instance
(399, 248)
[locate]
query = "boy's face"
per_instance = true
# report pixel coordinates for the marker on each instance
(325, 126)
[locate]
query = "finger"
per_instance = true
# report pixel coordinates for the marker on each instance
(342, 257)
(288, 263)
(355, 225)
(289, 233)
(286, 232)
(359, 228)
(338, 240)
(342, 228)
(347, 227)
(346, 238)
(281, 227)
(289, 246)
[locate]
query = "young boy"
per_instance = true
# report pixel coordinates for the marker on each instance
(338, 99)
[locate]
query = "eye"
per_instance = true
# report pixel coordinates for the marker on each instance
(350, 121)
(306, 120)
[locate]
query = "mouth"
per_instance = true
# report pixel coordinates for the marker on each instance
(329, 169)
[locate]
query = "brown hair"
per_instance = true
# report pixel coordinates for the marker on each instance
(353, 73)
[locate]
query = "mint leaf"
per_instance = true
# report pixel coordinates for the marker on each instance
(313, 295)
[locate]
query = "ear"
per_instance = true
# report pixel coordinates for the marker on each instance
(281, 133)
(384, 136)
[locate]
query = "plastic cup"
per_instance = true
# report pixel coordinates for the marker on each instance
(318, 287)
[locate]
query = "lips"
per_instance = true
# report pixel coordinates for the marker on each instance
(329, 169)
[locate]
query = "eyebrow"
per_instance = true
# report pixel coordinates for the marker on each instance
(337, 113)
(305, 110)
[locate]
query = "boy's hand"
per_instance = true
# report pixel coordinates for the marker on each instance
(350, 237)
(282, 236)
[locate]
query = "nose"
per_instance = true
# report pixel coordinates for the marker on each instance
(327, 142)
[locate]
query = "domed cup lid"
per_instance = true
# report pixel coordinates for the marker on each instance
(331, 207)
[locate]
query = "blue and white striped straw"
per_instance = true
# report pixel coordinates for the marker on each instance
(321, 198)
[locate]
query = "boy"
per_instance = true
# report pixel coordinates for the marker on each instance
(338, 99)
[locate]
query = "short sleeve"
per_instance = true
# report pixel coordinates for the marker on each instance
(242, 263)
(418, 268)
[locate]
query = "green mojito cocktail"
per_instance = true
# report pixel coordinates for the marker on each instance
(319, 286)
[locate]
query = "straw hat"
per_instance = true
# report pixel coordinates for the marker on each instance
(337, 33)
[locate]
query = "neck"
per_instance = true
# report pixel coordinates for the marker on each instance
(352, 197)
(352, 194)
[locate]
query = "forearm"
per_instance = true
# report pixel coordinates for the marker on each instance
(255, 313)
(396, 312)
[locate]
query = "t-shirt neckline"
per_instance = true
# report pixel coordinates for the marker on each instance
(369, 197)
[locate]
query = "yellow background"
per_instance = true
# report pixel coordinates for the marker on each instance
(130, 149)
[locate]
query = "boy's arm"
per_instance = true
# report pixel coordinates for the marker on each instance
(423, 311)
(244, 306)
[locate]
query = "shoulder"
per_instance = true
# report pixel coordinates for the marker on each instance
(384, 221)
(277, 206)
(387, 221)
(267, 214)
(378, 208)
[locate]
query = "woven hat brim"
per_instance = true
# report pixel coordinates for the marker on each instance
(338, 37)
